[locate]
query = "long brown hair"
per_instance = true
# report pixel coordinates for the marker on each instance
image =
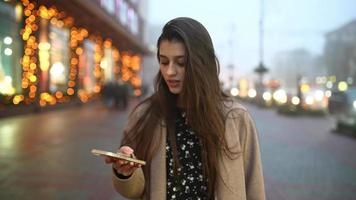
(201, 97)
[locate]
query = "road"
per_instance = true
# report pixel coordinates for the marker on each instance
(47, 155)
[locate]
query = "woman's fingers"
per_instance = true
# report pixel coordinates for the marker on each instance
(126, 169)
(126, 150)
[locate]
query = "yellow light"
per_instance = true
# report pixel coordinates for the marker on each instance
(33, 78)
(27, 12)
(332, 79)
(342, 86)
(33, 66)
(79, 51)
(305, 88)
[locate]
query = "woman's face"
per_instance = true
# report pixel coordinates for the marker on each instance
(172, 64)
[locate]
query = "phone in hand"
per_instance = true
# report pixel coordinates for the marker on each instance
(117, 155)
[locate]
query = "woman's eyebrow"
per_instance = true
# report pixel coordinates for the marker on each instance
(175, 57)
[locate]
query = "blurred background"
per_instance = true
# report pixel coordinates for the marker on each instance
(72, 70)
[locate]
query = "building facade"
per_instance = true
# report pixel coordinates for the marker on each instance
(340, 53)
(62, 52)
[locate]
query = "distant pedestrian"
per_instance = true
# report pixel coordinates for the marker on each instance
(198, 142)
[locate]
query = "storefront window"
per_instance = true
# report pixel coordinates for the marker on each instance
(133, 21)
(109, 5)
(86, 67)
(123, 12)
(107, 64)
(59, 58)
(10, 50)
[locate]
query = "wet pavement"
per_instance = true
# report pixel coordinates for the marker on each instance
(47, 156)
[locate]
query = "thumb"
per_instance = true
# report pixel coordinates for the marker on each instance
(126, 150)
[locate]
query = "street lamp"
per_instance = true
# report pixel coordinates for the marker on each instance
(261, 69)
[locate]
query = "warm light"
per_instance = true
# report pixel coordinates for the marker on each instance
(252, 93)
(44, 55)
(59, 95)
(137, 92)
(309, 100)
(17, 99)
(8, 51)
(280, 96)
(7, 40)
(342, 86)
(305, 88)
(18, 12)
(71, 84)
(329, 84)
(8, 136)
(79, 51)
(33, 78)
(295, 100)
(6, 86)
(96, 89)
(332, 79)
(319, 95)
(42, 103)
(267, 96)
(57, 69)
(328, 93)
(70, 91)
(234, 92)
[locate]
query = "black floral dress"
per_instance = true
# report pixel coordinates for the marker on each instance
(189, 183)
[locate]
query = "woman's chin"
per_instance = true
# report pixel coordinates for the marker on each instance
(174, 91)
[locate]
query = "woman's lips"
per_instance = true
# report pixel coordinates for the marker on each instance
(173, 83)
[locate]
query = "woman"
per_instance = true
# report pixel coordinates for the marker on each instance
(198, 143)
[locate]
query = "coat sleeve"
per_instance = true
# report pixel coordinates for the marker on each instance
(252, 160)
(132, 187)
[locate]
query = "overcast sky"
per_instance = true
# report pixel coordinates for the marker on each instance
(289, 24)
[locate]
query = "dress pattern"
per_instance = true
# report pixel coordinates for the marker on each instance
(189, 183)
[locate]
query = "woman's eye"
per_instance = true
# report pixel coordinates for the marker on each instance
(164, 63)
(181, 64)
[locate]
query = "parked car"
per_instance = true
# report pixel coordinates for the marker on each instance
(342, 107)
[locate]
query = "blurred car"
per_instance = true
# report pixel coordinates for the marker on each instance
(315, 101)
(342, 107)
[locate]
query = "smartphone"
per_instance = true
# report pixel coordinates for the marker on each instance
(117, 155)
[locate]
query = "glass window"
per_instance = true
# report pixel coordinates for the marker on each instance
(123, 13)
(10, 50)
(107, 64)
(86, 67)
(109, 5)
(59, 53)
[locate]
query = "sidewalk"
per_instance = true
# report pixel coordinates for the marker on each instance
(47, 155)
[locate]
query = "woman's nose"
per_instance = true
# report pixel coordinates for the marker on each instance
(171, 70)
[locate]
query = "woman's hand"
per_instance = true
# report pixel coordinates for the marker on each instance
(123, 167)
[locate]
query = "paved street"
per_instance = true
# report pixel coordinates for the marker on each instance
(47, 156)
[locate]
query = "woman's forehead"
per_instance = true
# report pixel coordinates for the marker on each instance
(171, 48)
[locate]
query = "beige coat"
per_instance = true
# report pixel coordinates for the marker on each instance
(240, 179)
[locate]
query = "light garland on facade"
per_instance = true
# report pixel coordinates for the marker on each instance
(36, 58)
(29, 60)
